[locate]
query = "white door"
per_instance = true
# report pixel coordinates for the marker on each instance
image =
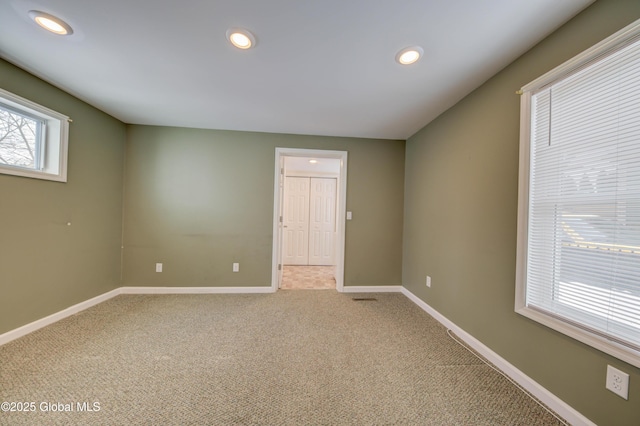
(322, 220)
(296, 221)
(280, 215)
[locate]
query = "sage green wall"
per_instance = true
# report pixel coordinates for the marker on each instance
(461, 186)
(45, 265)
(199, 200)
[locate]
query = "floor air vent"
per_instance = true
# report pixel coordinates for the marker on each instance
(365, 299)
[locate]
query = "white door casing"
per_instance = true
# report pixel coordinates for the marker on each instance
(340, 216)
(322, 220)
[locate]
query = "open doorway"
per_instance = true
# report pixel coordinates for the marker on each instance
(309, 223)
(309, 219)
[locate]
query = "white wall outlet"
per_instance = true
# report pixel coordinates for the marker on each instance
(236, 267)
(158, 267)
(428, 281)
(618, 382)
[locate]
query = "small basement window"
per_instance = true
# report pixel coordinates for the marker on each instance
(33, 139)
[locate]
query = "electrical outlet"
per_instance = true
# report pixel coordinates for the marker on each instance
(236, 267)
(158, 267)
(618, 382)
(428, 281)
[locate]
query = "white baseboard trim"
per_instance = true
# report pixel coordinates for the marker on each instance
(194, 290)
(556, 404)
(43, 322)
(372, 289)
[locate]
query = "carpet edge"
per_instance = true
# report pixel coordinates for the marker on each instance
(563, 409)
(57, 316)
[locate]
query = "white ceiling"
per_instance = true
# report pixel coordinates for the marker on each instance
(320, 67)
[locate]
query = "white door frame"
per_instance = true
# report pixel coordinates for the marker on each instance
(340, 216)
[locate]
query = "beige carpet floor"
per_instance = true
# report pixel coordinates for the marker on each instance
(289, 358)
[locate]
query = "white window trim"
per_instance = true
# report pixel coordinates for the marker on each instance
(56, 140)
(621, 352)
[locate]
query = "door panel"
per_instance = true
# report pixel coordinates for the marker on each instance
(296, 221)
(280, 236)
(322, 223)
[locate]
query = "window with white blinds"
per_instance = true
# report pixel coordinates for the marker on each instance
(579, 212)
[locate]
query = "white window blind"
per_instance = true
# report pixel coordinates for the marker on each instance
(583, 214)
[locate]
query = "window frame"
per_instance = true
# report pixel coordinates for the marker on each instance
(53, 146)
(585, 58)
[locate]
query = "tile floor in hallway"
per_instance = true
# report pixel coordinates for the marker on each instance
(297, 277)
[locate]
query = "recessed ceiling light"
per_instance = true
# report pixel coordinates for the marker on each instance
(313, 161)
(51, 23)
(241, 38)
(409, 55)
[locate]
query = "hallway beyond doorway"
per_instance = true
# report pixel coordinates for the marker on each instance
(297, 277)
